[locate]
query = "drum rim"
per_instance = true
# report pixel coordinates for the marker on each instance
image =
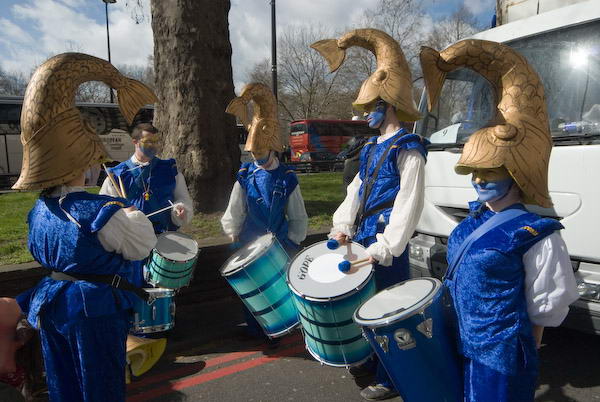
(260, 254)
(154, 249)
(324, 299)
(327, 363)
(160, 289)
(378, 323)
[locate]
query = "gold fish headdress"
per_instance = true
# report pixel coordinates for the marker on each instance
(520, 140)
(58, 145)
(263, 129)
(390, 82)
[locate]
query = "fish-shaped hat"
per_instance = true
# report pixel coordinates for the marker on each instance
(391, 81)
(519, 138)
(263, 129)
(58, 144)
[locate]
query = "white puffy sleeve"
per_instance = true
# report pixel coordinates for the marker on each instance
(406, 211)
(296, 216)
(182, 197)
(550, 285)
(108, 189)
(344, 216)
(235, 214)
(128, 233)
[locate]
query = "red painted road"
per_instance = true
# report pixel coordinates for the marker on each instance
(203, 377)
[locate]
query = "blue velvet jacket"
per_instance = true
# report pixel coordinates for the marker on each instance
(60, 245)
(387, 182)
(267, 192)
(488, 289)
(157, 179)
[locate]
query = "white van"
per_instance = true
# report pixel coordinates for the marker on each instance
(563, 45)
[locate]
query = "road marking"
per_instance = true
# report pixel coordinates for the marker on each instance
(187, 370)
(213, 375)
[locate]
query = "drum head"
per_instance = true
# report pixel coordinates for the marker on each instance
(176, 246)
(397, 302)
(248, 253)
(314, 272)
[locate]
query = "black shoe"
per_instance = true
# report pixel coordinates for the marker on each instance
(360, 371)
(378, 392)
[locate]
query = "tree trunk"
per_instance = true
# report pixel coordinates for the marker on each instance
(194, 83)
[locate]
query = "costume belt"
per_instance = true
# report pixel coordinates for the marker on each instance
(116, 281)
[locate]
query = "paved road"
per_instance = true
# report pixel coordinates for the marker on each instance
(208, 360)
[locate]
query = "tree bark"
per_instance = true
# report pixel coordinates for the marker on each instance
(194, 83)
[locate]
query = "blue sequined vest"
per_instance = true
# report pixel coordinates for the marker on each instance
(267, 192)
(60, 245)
(488, 291)
(158, 180)
(387, 182)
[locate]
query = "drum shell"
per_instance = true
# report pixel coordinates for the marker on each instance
(156, 317)
(262, 288)
(164, 273)
(429, 371)
(326, 323)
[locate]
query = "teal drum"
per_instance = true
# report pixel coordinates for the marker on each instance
(172, 262)
(326, 299)
(257, 274)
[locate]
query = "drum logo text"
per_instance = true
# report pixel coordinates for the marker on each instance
(304, 267)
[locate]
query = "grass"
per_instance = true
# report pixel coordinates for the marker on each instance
(322, 193)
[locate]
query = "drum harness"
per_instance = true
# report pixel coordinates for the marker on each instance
(362, 214)
(114, 280)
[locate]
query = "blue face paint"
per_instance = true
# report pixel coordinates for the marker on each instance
(149, 152)
(492, 190)
(376, 117)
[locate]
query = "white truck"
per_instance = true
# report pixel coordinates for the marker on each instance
(561, 39)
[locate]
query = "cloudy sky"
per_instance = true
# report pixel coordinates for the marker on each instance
(33, 30)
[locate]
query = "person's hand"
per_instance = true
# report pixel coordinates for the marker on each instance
(372, 260)
(179, 211)
(130, 209)
(341, 238)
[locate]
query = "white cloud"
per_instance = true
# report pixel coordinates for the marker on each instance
(478, 6)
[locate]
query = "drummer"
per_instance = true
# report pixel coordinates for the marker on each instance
(266, 196)
(509, 272)
(384, 200)
(151, 183)
(88, 241)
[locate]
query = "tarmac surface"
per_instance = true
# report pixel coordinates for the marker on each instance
(209, 359)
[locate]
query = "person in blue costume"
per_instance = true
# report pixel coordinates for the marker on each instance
(509, 272)
(151, 183)
(384, 200)
(89, 242)
(266, 197)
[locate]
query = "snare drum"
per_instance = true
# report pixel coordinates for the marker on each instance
(405, 326)
(172, 261)
(155, 315)
(326, 299)
(257, 273)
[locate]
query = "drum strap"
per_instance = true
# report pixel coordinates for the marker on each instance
(116, 281)
(496, 220)
(369, 181)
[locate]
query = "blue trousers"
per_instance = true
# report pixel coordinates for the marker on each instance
(85, 359)
(384, 278)
(483, 384)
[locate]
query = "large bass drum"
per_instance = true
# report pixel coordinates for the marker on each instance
(326, 299)
(406, 327)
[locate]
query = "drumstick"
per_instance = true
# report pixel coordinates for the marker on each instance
(122, 187)
(159, 211)
(345, 266)
(112, 181)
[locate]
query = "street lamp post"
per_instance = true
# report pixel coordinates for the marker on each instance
(273, 50)
(106, 3)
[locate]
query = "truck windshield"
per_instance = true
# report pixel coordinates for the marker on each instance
(568, 62)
